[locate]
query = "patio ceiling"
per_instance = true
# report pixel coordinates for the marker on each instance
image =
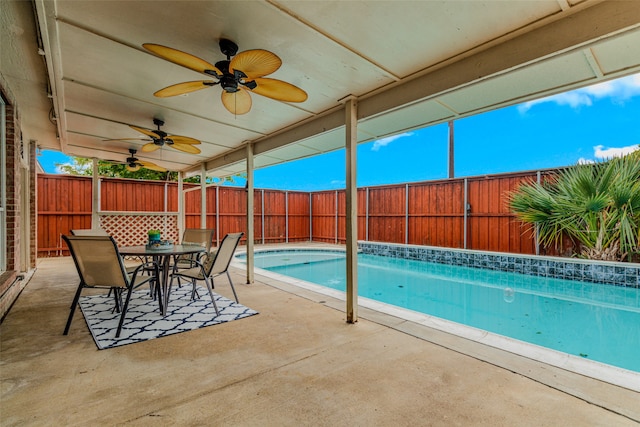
(410, 64)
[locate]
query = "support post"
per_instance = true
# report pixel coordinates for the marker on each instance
(217, 215)
(95, 196)
(250, 231)
(203, 197)
(181, 214)
(351, 142)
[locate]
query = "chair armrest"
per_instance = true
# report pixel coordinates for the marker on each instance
(144, 266)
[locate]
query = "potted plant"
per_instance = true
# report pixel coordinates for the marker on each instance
(154, 235)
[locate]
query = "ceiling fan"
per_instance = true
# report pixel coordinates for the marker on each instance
(237, 77)
(134, 164)
(160, 138)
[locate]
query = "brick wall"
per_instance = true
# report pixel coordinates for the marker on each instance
(10, 286)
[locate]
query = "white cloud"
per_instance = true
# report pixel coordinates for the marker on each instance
(388, 140)
(600, 152)
(618, 90)
(583, 161)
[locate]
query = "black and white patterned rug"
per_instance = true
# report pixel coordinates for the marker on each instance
(144, 321)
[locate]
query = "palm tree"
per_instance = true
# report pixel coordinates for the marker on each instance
(597, 205)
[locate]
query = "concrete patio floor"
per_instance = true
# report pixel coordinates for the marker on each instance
(296, 363)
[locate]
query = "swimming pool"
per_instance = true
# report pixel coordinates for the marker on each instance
(590, 321)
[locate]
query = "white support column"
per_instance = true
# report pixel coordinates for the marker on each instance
(95, 196)
(250, 233)
(203, 197)
(351, 143)
(181, 216)
(217, 215)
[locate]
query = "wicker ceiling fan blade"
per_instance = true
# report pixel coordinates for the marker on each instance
(136, 167)
(277, 89)
(255, 63)
(147, 148)
(182, 58)
(178, 139)
(187, 148)
(150, 133)
(237, 102)
(151, 166)
(185, 87)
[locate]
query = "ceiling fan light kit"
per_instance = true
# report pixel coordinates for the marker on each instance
(237, 76)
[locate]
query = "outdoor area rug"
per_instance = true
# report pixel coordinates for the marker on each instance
(143, 320)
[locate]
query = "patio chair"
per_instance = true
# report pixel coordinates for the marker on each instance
(193, 236)
(100, 265)
(213, 264)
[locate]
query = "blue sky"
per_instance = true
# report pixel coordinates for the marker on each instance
(583, 125)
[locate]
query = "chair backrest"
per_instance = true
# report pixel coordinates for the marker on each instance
(219, 261)
(89, 232)
(97, 260)
(200, 236)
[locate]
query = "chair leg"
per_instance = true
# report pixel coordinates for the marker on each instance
(194, 290)
(156, 286)
(76, 298)
(124, 312)
(213, 300)
(232, 287)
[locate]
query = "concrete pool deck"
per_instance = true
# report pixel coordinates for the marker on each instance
(296, 363)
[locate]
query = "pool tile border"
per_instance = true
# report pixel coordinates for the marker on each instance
(612, 273)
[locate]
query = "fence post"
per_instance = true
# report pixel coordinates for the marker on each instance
(406, 214)
(262, 215)
(286, 216)
(311, 217)
(464, 207)
(366, 216)
(336, 227)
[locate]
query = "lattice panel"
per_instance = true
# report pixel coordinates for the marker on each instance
(131, 230)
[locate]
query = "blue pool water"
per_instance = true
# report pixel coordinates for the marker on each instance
(593, 321)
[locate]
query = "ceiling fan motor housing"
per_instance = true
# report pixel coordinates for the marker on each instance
(227, 47)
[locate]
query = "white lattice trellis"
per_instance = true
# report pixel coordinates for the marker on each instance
(131, 229)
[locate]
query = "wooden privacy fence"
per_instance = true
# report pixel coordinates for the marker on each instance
(466, 213)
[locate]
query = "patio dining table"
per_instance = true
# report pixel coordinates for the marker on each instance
(162, 255)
